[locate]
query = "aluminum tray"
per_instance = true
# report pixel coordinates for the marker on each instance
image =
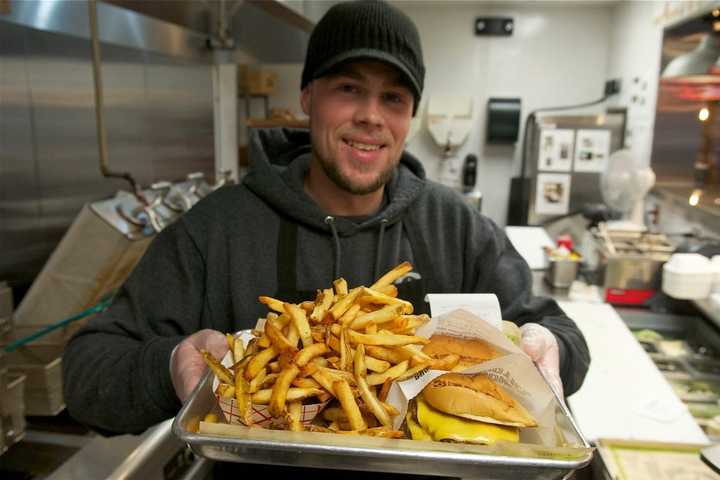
(357, 452)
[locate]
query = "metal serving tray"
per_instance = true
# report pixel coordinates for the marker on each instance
(358, 452)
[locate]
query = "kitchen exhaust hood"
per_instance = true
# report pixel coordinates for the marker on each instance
(264, 31)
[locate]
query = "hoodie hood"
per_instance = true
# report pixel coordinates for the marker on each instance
(279, 161)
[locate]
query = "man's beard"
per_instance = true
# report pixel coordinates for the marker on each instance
(346, 184)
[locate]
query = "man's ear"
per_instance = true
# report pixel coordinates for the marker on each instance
(305, 96)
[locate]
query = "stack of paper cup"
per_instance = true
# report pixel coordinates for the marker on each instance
(688, 276)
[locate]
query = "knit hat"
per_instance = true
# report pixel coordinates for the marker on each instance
(366, 29)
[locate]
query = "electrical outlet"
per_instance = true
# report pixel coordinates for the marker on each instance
(612, 87)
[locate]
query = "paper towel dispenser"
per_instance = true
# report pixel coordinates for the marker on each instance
(503, 120)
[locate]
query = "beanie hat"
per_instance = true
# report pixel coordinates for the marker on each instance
(366, 29)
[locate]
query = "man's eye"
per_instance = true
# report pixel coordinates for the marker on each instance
(347, 88)
(395, 98)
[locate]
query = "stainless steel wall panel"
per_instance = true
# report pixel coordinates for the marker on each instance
(159, 118)
(22, 236)
(127, 113)
(181, 114)
(61, 89)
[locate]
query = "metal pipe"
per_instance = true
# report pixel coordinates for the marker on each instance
(99, 119)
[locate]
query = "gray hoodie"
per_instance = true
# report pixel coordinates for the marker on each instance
(267, 237)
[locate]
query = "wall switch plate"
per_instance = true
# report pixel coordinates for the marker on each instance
(502, 26)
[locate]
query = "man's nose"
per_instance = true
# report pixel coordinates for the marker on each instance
(369, 112)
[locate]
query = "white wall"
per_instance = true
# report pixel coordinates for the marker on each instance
(634, 57)
(557, 55)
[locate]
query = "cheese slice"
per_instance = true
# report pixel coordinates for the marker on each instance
(441, 426)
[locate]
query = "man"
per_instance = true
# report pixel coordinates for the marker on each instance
(343, 199)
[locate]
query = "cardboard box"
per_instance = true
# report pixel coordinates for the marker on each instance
(255, 81)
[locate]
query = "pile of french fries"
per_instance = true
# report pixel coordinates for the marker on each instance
(347, 345)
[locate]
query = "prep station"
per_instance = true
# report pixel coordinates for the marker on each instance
(594, 149)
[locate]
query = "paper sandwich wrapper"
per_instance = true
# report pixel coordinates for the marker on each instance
(260, 413)
(513, 370)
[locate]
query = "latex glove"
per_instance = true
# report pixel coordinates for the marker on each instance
(542, 347)
(186, 362)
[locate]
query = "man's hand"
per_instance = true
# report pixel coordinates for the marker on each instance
(542, 347)
(186, 362)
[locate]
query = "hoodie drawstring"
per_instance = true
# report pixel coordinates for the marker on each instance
(378, 253)
(330, 220)
(336, 244)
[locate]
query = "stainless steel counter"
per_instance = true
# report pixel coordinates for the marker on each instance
(155, 454)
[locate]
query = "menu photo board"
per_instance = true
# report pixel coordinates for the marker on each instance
(556, 150)
(552, 194)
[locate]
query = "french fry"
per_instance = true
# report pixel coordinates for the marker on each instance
(220, 371)
(308, 353)
(389, 290)
(226, 390)
(263, 397)
(342, 305)
(347, 400)
(211, 418)
(280, 390)
(238, 350)
(350, 315)
(320, 361)
(386, 314)
(263, 341)
(278, 340)
(323, 379)
(371, 329)
(384, 432)
(376, 365)
(269, 381)
(308, 306)
(305, 383)
(392, 275)
(243, 399)
(292, 333)
(373, 403)
(341, 287)
(412, 371)
(258, 381)
(385, 339)
(345, 352)
(259, 361)
(285, 360)
(382, 395)
(253, 347)
(392, 373)
(392, 411)
(294, 416)
(373, 296)
(275, 367)
(322, 304)
(410, 351)
(272, 303)
(336, 374)
(390, 355)
(298, 317)
(231, 343)
(360, 369)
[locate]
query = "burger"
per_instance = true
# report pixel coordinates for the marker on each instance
(470, 350)
(467, 409)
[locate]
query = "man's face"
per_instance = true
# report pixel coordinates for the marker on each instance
(359, 118)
